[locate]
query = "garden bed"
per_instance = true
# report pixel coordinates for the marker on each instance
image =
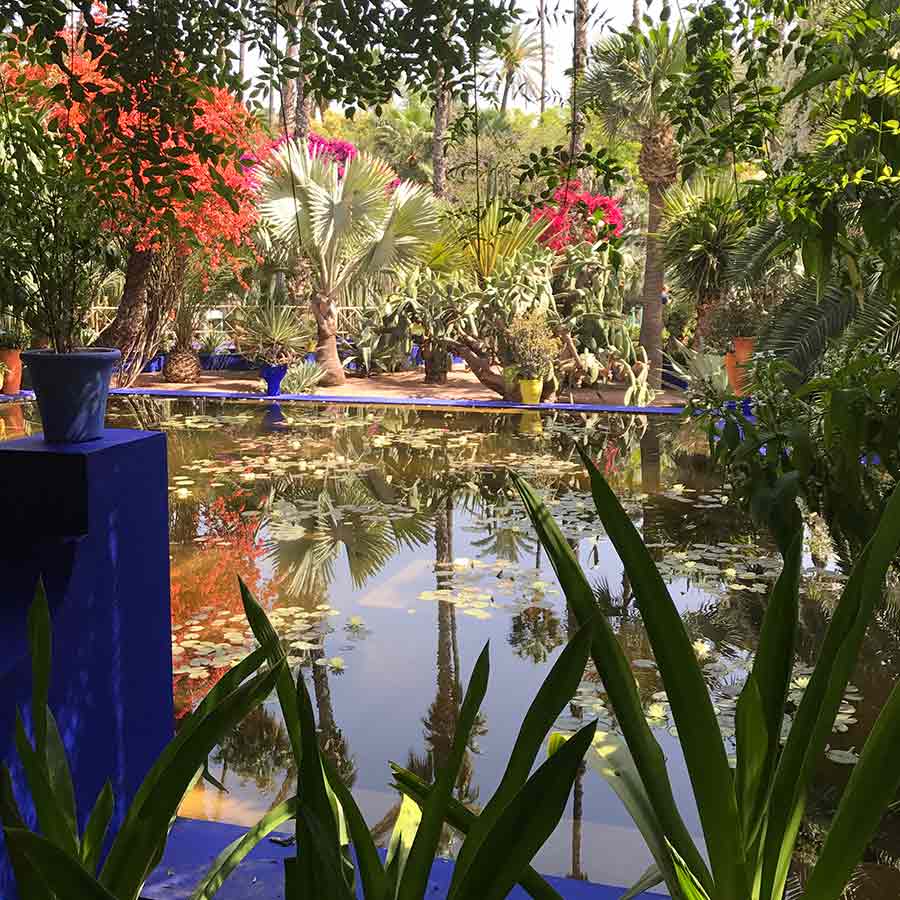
(402, 385)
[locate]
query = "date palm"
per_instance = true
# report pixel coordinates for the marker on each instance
(519, 64)
(351, 224)
(625, 81)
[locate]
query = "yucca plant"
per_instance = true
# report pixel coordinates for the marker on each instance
(499, 843)
(353, 225)
(750, 816)
(63, 861)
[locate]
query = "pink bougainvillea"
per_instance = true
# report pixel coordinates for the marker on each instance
(335, 149)
(570, 218)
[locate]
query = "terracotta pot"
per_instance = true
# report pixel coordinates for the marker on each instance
(743, 349)
(530, 389)
(735, 375)
(12, 380)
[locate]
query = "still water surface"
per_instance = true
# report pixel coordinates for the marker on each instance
(389, 547)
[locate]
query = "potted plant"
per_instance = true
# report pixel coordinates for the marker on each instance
(533, 347)
(274, 336)
(13, 340)
(731, 329)
(53, 260)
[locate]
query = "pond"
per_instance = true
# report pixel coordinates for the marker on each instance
(389, 546)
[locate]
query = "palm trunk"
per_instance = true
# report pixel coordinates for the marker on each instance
(324, 311)
(288, 88)
(579, 59)
(542, 14)
(441, 115)
(654, 278)
(301, 113)
(242, 61)
(636, 14)
(507, 84)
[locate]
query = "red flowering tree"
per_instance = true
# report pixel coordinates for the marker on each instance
(176, 188)
(577, 215)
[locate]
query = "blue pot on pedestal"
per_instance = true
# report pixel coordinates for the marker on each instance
(273, 376)
(72, 390)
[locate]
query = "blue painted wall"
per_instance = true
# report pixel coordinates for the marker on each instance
(92, 520)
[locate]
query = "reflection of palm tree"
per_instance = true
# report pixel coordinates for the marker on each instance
(332, 742)
(535, 633)
(257, 748)
(309, 525)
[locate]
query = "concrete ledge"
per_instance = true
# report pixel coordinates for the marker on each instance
(194, 844)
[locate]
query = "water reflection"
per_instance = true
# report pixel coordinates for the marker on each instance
(389, 546)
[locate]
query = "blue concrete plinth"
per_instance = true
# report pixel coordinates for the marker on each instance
(92, 520)
(194, 844)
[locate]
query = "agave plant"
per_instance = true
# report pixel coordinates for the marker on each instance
(273, 334)
(750, 816)
(353, 226)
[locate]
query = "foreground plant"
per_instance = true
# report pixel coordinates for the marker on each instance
(750, 816)
(65, 863)
(499, 843)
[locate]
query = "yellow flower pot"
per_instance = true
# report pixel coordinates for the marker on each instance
(531, 423)
(530, 389)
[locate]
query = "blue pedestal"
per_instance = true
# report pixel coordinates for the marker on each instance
(92, 520)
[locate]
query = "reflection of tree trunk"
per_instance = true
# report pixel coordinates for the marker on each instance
(324, 311)
(654, 277)
(322, 690)
(577, 820)
(650, 459)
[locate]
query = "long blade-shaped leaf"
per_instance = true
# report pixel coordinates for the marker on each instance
(691, 889)
(221, 689)
(58, 768)
(688, 695)
(316, 871)
(229, 859)
(822, 697)
(871, 789)
(136, 847)
(96, 828)
(402, 836)
(421, 855)
(524, 825)
(461, 819)
(556, 691)
(62, 874)
(28, 880)
(770, 679)
(608, 756)
(268, 637)
(314, 797)
(650, 879)
(371, 872)
(618, 679)
(54, 821)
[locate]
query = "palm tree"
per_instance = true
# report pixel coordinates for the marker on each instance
(542, 19)
(625, 82)
(703, 227)
(518, 64)
(351, 225)
(403, 136)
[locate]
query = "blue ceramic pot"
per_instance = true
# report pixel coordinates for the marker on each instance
(273, 376)
(72, 390)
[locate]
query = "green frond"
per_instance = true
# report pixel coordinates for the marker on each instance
(876, 328)
(764, 245)
(803, 325)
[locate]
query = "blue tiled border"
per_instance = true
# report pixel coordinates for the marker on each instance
(498, 405)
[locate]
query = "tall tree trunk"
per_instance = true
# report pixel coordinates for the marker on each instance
(301, 112)
(441, 117)
(129, 318)
(289, 87)
(654, 278)
(242, 61)
(636, 14)
(542, 15)
(325, 313)
(507, 84)
(579, 60)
